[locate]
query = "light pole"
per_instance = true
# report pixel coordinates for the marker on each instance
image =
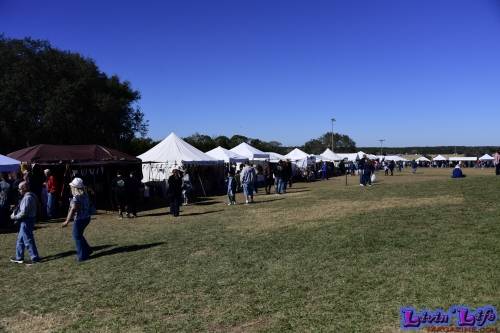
(381, 143)
(333, 120)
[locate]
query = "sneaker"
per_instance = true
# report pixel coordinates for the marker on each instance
(361, 185)
(16, 261)
(229, 204)
(33, 262)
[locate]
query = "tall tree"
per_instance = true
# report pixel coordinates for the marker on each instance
(201, 141)
(341, 143)
(59, 97)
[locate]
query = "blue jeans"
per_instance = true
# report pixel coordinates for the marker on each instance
(83, 249)
(51, 205)
(277, 184)
(26, 239)
(248, 189)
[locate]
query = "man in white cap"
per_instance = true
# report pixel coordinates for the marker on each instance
(25, 215)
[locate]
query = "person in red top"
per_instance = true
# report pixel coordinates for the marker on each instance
(52, 194)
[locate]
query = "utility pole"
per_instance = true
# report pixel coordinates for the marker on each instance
(381, 143)
(333, 120)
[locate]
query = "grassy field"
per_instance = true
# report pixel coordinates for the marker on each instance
(324, 258)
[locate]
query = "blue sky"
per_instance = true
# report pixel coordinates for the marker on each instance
(415, 72)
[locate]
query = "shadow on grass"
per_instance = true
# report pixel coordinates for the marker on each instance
(270, 200)
(125, 249)
(203, 213)
(299, 191)
(155, 214)
(73, 252)
(207, 203)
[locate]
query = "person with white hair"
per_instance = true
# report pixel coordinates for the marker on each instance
(79, 209)
(25, 214)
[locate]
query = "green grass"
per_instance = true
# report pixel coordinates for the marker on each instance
(325, 257)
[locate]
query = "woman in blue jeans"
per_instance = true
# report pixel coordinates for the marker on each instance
(80, 210)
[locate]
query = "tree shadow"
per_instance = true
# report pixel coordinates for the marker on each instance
(202, 213)
(207, 203)
(125, 249)
(266, 201)
(72, 252)
(299, 191)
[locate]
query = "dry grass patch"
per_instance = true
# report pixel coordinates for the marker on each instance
(270, 218)
(26, 322)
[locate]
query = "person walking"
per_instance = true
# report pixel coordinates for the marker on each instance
(25, 214)
(267, 171)
(361, 169)
(119, 193)
(79, 211)
(231, 188)
(175, 191)
(187, 188)
(247, 180)
(132, 189)
(4, 199)
(414, 166)
(52, 194)
(324, 171)
(392, 165)
(278, 177)
(496, 162)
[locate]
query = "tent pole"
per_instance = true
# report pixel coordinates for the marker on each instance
(202, 187)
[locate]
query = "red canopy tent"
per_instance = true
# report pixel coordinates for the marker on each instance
(95, 164)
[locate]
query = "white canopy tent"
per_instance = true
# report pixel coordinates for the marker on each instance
(301, 159)
(296, 155)
(440, 158)
(252, 153)
(486, 157)
(394, 158)
(8, 164)
(422, 159)
(331, 156)
(169, 153)
(463, 159)
(226, 155)
(275, 157)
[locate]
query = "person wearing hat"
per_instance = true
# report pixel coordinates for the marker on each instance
(25, 215)
(80, 210)
(175, 191)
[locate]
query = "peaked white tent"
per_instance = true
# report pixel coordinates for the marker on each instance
(275, 157)
(351, 157)
(296, 155)
(300, 159)
(440, 158)
(331, 156)
(486, 157)
(169, 153)
(8, 164)
(422, 159)
(394, 158)
(252, 153)
(226, 155)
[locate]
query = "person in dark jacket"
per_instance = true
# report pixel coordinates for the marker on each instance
(267, 171)
(361, 170)
(132, 189)
(175, 191)
(119, 193)
(392, 165)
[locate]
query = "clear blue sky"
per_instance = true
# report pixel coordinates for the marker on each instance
(415, 72)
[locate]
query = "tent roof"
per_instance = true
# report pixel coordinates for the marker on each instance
(226, 155)
(422, 159)
(249, 152)
(440, 158)
(296, 155)
(394, 158)
(274, 157)
(486, 157)
(177, 151)
(8, 164)
(330, 155)
(462, 158)
(76, 154)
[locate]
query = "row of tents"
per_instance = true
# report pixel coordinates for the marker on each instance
(174, 152)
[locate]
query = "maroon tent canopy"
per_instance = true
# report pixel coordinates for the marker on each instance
(74, 154)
